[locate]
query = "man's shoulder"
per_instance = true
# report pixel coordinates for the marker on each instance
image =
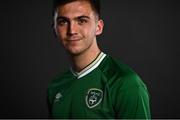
(114, 67)
(119, 74)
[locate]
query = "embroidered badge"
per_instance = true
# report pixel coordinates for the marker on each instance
(94, 97)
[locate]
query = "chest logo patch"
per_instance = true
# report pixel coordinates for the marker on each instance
(94, 97)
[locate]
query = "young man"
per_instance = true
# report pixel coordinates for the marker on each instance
(96, 86)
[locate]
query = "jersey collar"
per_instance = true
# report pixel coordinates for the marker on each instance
(90, 67)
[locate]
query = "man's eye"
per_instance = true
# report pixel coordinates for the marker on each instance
(82, 21)
(62, 22)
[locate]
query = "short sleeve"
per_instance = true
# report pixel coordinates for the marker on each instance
(131, 99)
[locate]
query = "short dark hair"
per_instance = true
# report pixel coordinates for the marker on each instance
(95, 4)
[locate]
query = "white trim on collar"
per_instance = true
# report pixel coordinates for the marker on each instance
(90, 67)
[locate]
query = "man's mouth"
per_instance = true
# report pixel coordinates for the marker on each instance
(74, 39)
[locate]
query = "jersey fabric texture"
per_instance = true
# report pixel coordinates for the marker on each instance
(106, 88)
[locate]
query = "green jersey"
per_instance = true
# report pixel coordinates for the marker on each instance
(106, 88)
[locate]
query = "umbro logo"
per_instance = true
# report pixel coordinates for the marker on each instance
(57, 97)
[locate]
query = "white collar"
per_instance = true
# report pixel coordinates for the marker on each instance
(90, 67)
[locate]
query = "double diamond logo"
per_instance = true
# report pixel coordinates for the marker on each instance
(57, 97)
(94, 97)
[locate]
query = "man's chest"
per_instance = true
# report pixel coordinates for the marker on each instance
(86, 98)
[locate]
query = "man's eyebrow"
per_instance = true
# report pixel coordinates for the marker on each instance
(83, 16)
(79, 17)
(62, 17)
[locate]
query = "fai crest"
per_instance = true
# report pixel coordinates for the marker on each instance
(94, 97)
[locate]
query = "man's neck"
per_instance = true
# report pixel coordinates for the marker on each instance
(82, 60)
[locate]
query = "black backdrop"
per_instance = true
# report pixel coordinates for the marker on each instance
(144, 35)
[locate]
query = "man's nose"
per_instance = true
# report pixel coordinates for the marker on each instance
(72, 28)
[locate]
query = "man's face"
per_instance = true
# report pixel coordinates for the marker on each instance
(77, 25)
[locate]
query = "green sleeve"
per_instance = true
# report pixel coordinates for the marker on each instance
(132, 99)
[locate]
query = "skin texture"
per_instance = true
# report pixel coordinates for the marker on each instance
(77, 25)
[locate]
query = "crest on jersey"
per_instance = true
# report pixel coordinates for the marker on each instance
(94, 97)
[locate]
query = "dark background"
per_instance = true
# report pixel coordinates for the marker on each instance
(144, 35)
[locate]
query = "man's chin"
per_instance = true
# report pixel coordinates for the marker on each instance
(74, 52)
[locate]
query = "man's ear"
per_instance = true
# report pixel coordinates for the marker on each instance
(54, 33)
(53, 30)
(54, 24)
(100, 26)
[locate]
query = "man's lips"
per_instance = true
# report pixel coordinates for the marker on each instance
(74, 39)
